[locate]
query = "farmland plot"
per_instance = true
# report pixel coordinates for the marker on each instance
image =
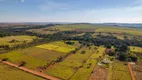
(84, 72)
(34, 57)
(18, 40)
(11, 73)
(120, 72)
(76, 65)
(59, 46)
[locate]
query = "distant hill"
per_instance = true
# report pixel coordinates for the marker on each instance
(136, 25)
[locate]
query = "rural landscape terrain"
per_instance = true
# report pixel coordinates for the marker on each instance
(77, 51)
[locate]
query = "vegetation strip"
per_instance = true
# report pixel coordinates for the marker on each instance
(30, 71)
(131, 72)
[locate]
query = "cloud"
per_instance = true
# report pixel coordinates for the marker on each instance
(137, 2)
(22, 0)
(14, 0)
(52, 6)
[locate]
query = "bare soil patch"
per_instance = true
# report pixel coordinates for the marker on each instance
(85, 30)
(99, 73)
(137, 69)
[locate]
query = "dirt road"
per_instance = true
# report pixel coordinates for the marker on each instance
(30, 71)
(131, 72)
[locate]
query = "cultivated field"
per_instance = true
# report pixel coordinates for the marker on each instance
(135, 49)
(59, 46)
(120, 30)
(137, 69)
(11, 73)
(77, 53)
(39, 56)
(77, 65)
(18, 40)
(120, 71)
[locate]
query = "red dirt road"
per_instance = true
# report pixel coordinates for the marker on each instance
(31, 71)
(131, 72)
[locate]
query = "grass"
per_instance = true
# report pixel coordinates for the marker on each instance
(61, 71)
(38, 57)
(135, 49)
(120, 71)
(73, 63)
(17, 57)
(11, 73)
(84, 72)
(42, 54)
(33, 56)
(42, 31)
(20, 39)
(109, 76)
(59, 46)
(119, 30)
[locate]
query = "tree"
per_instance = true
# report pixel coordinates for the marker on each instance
(123, 56)
(70, 43)
(22, 63)
(83, 52)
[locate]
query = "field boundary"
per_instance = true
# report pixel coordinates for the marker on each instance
(131, 71)
(82, 65)
(30, 71)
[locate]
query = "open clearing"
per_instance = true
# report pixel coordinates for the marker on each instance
(59, 46)
(34, 57)
(135, 49)
(11, 73)
(120, 30)
(84, 72)
(99, 73)
(137, 69)
(120, 71)
(19, 39)
(75, 66)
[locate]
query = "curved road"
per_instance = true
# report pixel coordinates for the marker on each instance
(31, 71)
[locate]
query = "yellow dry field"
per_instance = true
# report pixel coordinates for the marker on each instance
(59, 46)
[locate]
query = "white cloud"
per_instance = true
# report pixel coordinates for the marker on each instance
(22, 0)
(51, 6)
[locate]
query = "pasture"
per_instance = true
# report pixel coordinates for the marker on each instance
(11, 73)
(39, 56)
(34, 57)
(84, 72)
(135, 49)
(120, 72)
(137, 70)
(120, 30)
(43, 31)
(59, 46)
(18, 40)
(75, 65)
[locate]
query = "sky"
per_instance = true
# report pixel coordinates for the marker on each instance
(92, 11)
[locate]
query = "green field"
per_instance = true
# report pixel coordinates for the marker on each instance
(84, 72)
(38, 57)
(42, 31)
(135, 49)
(72, 64)
(59, 46)
(17, 57)
(34, 57)
(11, 73)
(120, 30)
(73, 56)
(120, 71)
(19, 39)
